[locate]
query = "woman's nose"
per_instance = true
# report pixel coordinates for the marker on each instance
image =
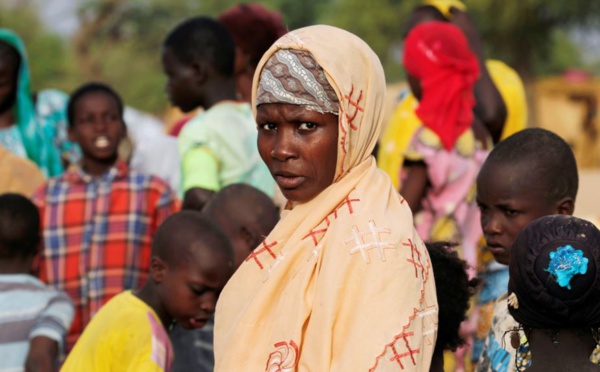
(284, 147)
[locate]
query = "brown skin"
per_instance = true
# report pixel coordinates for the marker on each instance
(97, 115)
(196, 198)
(244, 73)
(8, 89)
(245, 215)
(299, 146)
(570, 354)
(42, 355)
(189, 86)
(187, 291)
(415, 184)
(510, 197)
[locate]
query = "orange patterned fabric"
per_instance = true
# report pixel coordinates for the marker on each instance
(18, 175)
(343, 282)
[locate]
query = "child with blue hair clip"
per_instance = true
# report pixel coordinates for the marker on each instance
(553, 289)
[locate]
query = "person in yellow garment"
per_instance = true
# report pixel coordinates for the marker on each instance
(500, 95)
(343, 282)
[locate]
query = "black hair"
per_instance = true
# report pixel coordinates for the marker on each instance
(91, 88)
(19, 227)
(10, 54)
(177, 236)
(453, 288)
(549, 160)
(206, 39)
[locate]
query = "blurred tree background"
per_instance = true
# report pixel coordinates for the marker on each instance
(119, 41)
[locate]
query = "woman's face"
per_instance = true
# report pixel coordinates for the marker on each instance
(8, 83)
(299, 147)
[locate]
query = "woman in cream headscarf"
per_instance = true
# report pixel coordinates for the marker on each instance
(343, 282)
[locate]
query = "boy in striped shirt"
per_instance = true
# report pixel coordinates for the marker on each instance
(33, 318)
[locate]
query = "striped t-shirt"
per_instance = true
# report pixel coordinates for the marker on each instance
(29, 309)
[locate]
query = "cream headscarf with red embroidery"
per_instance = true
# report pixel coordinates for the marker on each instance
(343, 282)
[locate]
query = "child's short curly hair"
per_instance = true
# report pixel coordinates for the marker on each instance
(453, 289)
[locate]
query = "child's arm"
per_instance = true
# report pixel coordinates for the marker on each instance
(42, 356)
(414, 184)
(48, 333)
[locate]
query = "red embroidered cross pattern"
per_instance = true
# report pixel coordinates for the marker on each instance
(356, 105)
(347, 202)
(397, 357)
(264, 248)
(313, 234)
(414, 252)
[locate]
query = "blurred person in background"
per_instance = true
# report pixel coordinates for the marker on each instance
(31, 126)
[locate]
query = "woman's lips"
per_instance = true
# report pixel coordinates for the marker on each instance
(288, 181)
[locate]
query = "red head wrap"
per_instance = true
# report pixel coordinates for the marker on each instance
(253, 28)
(438, 55)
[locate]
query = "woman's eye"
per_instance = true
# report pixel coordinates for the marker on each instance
(307, 126)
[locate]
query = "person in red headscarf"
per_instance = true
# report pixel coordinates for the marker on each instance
(253, 29)
(445, 155)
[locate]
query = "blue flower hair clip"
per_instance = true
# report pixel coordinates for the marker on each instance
(565, 263)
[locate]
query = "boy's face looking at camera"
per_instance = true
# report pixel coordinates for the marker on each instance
(510, 196)
(97, 126)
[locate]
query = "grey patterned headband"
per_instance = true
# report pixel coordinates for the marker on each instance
(294, 77)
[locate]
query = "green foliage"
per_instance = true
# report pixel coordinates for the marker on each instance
(49, 56)
(523, 32)
(119, 41)
(378, 22)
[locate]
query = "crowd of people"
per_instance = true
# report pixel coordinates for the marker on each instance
(276, 228)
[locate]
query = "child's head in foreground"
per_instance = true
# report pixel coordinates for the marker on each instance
(453, 288)
(19, 234)
(197, 55)
(191, 262)
(246, 215)
(531, 174)
(95, 115)
(555, 282)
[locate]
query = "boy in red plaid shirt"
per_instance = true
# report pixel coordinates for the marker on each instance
(98, 218)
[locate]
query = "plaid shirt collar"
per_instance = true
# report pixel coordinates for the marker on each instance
(76, 174)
